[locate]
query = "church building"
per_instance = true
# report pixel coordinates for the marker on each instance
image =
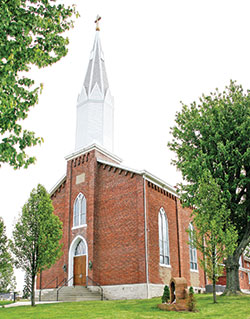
(123, 229)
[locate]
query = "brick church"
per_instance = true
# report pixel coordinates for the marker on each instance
(123, 229)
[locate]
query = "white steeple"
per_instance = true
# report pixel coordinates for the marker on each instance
(95, 110)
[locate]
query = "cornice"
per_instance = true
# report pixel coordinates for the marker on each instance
(145, 174)
(90, 148)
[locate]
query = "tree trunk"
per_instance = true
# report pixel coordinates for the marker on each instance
(33, 291)
(232, 271)
(232, 265)
(214, 289)
(214, 275)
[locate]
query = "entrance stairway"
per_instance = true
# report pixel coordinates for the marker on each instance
(76, 293)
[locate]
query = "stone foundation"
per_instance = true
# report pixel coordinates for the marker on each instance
(133, 291)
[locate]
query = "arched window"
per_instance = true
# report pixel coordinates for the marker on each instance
(80, 249)
(163, 238)
(192, 249)
(79, 211)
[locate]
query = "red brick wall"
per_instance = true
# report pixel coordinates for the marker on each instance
(119, 228)
(184, 215)
(222, 279)
(243, 275)
(157, 198)
(63, 207)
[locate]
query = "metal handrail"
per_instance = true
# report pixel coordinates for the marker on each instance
(40, 292)
(66, 282)
(87, 281)
(64, 279)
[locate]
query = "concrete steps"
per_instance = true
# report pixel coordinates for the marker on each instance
(77, 293)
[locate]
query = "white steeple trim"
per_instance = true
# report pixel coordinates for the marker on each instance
(95, 110)
(109, 98)
(83, 96)
(96, 93)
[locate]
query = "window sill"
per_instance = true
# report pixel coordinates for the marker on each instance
(194, 270)
(80, 226)
(247, 270)
(166, 266)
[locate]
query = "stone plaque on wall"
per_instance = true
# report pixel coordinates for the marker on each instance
(80, 178)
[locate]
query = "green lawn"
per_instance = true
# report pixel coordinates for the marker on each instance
(226, 308)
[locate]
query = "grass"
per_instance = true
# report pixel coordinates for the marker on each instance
(226, 308)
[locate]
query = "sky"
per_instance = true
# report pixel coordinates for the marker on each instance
(157, 53)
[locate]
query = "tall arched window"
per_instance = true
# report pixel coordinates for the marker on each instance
(192, 249)
(163, 238)
(79, 211)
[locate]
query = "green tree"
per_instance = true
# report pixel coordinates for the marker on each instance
(31, 33)
(191, 302)
(166, 295)
(7, 279)
(36, 236)
(214, 235)
(214, 135)
(27, 286)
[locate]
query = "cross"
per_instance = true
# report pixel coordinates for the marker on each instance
(98, 18)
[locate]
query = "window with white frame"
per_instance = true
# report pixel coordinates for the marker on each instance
(163, 238)
(79, 211)
(192, 249)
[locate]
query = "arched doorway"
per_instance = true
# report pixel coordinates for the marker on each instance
(172, 292)
(78, 261)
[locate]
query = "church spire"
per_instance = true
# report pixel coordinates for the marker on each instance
(95, 103)
(96, 72)
(96, 75)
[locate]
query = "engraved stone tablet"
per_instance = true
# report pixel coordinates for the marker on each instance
(80, 178)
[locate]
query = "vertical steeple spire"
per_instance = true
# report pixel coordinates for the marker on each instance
(96, 72)
(95, 103)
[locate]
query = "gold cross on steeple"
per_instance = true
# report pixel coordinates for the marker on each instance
(98, 18)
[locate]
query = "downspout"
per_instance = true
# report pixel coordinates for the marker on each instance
(146, 234)
(70, 193)
(178, 235)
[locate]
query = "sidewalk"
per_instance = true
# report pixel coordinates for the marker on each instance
(28, 303)
(246, 291)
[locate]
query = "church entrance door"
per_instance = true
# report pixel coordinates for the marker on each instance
(80, 270)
